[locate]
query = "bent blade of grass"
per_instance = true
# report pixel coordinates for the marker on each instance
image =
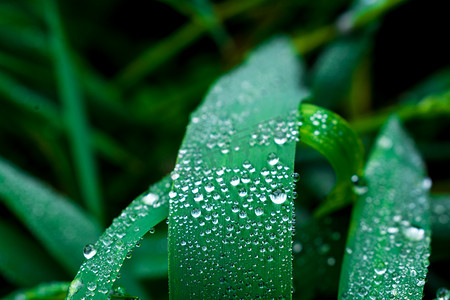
(61, 226)
(73, 113)
(231, 213)
(22, 261)
(99, 271)
(47, 291)
(389, 237)
(333, 137)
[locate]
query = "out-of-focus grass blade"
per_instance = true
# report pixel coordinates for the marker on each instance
(154, 266)
(45, 291)
(73, 113)
(318, 249)
(232, 207)
(22, 261)
(28, 99)
(61, 226)
(389, 237)
(335, 67)
(437, 83)
(429, 107)
(164, 50)
(440, 227)
(333, 137)
(363, 12)
(104, 259)
(202, 11)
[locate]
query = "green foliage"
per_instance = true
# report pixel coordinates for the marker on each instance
(268, 196)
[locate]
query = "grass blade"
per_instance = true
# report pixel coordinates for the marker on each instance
(232, 207)
(389, 237)
(104, 259)
(74, 114)
(61, 226)
(333, 137)
(22, 261)
(47, 291)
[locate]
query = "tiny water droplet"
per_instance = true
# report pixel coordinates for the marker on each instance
(235, 180)
(89, 251)
(296, 177)
(380, 269)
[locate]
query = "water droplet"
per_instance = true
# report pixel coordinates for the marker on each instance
(150, 198)
(380, 269)
(242, 214)
(413, 233)
(272, 159)
(296, 177)
(278, 196)
(196, 212)
(209, 187)
(235, 180)
(172, 194)
(259, 211)
(89, 251)
(280, 140)
(385, 142)
(443, 294)
(242, 192)
(427, 183)
(198, 197)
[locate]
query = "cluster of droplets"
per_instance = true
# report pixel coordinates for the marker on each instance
(392, 239)
(235, 219)
(105, 258)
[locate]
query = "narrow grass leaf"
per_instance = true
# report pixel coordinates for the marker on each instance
(335, 67)
(333, 137)
(61, 226)
(429, 107)
(440, 227)
(364, 12)
(23, 262)
(47, 291)
(389, 237)
(73, 113)
(104, 259)
(232, 202)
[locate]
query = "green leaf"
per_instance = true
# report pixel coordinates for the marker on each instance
(389, 237)
(230, 223)
(104, 259)
(61, 226)
(73, 113)
(47, 291)
(333, 137)
(22, 261)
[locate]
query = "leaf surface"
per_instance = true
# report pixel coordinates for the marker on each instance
(389, 237)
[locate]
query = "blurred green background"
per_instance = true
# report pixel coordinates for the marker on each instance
(95, 96)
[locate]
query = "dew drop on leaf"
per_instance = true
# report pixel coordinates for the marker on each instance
(196, 212)
(150, 198)
(272, 159)
(278, 196)
(89, 251)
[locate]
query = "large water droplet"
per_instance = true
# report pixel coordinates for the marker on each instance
(278, 196)
(150, 198)
(413, 233)
(89, 251)
(380, 269)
